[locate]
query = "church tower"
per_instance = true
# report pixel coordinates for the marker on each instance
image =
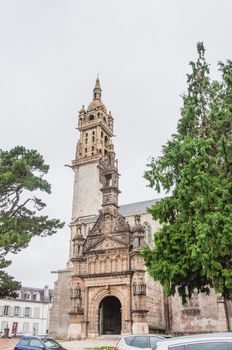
(95, 125)
(105, 289)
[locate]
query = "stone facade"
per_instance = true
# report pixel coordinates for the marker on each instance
(105, 288)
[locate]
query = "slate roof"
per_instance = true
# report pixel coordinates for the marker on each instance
(87, 219)
(136, 208)
(125, 210)
(40, 291)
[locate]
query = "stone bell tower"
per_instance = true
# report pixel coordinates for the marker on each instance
(95, 125)
(108, 286)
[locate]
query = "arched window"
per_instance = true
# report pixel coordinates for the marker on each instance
(148, 233)
(91, 117)
(36, 296)
(27, 295)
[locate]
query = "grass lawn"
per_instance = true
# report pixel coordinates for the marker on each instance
(101, 348)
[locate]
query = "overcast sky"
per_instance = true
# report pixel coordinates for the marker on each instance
(51, 52)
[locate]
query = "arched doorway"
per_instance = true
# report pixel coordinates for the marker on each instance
(110, 316)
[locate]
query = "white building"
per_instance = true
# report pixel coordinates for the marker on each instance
(29, 313)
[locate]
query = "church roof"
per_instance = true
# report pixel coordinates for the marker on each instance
(96, 104)
(125, 210)
(136, 208)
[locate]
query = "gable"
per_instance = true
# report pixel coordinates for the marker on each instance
(106, 244)
(108, 222)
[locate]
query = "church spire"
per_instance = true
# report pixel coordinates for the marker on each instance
(97, 90)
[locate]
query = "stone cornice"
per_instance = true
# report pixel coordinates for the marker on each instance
(78, 258)
(84, 160)
(103, 251)
(104, 274)
(139, 311)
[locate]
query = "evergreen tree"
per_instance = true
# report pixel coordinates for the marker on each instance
(193, 249)
(21, 177)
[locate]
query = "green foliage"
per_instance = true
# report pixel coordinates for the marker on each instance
(21, 177)
(193, 249)
(8, 286)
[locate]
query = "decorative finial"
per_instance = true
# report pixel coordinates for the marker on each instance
(97, 90)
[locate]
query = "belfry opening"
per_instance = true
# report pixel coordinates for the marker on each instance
(110, 321)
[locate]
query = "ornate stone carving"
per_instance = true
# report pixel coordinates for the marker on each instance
(139, 288)
(76, 297)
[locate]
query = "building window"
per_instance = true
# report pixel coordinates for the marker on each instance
(4, 325)
(6, 310)
(93, 138)
(148, 234)
(27, 312)
(36, 296)
(14, 328)
(27, 295)
(35, 328)
(25, 327)
(85, 150)
(16, 311)
(36, 312)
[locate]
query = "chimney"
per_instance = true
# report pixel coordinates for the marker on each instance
(46, 294)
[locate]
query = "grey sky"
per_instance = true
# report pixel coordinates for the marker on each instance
(51, 52)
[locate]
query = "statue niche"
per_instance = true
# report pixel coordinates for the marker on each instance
(76, 297)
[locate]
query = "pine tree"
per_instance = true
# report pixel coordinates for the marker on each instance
(21, 177)
(193, 249)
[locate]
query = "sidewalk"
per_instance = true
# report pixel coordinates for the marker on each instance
(88, 343)
(8, 344)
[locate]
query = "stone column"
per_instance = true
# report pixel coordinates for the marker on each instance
(139, 313)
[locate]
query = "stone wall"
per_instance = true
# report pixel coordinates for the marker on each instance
(87, 197)
(59, 317)
(202, 315)
(155, 305)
